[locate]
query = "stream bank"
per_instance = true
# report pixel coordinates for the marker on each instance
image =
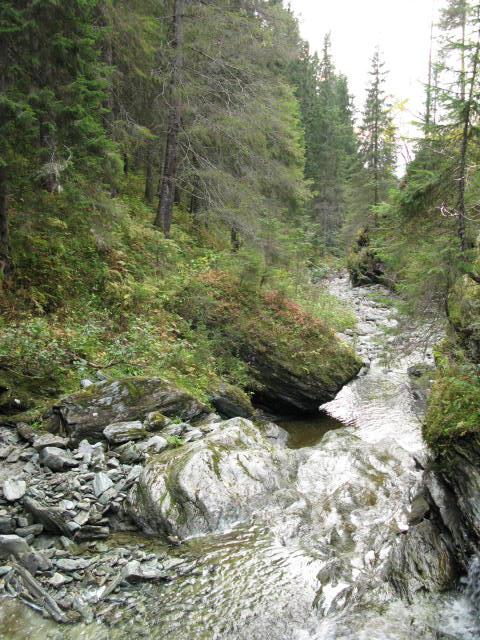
(270, 538)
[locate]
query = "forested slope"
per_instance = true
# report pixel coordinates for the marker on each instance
(154, 154)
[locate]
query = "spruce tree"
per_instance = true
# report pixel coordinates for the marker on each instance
(377, 134)
(331, 148)
(52, 91)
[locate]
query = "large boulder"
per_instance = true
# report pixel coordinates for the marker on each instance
(232, 402)
(207, 485)
(293, 360)
(287, 390)
(87, 413)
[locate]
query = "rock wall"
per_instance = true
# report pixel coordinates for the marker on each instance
(444, 531)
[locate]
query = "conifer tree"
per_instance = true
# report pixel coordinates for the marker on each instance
(52, 91)
(377, 134)
(331, 147)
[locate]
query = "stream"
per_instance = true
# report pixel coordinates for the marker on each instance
(312, 565)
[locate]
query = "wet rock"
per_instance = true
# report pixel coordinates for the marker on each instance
(275, 434)
(135, 572)
(207, 485)
(49, 440)
(423, 560)
(14, 489)
(101, 482)
(11, 545)
(419, 510)
(121, 432)
(92, 532)
(57, 459)
(85, 414)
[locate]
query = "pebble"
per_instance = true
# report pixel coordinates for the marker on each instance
(57, 580)
(67, 496)
(14, 489)
(101, 482)
(49, 440)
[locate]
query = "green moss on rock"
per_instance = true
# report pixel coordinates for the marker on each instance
(294, 360)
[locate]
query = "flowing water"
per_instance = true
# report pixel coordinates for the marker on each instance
(312, 567)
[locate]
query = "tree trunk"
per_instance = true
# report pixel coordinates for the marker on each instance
(177, 198)
(235, 239)
(169, 177)
(126, 164)
(149, 188)
(5, 260)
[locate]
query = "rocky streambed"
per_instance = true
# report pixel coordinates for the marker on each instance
(144, 515)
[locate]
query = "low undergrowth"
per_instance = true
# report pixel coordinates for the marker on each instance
(97, 291)
(454, 405)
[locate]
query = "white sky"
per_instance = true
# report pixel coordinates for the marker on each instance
(400, 27)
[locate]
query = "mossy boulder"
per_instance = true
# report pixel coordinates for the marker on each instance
(232, 402)
(87, 413)
(207, 485)
(293, 360)
(364, 265)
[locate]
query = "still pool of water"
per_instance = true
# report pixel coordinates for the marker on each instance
(308, 432)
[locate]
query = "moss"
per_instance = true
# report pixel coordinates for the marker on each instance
(216, 457)
(157, 421)
(454, 405)
(464, 314)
